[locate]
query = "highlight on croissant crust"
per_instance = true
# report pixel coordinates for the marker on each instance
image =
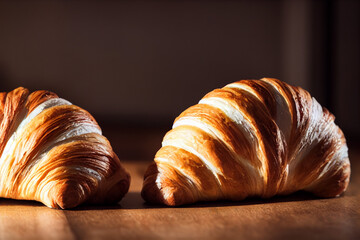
(251, 138)
(54, 152)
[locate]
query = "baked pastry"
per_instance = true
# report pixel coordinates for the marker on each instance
(251, 138)
(53, 152)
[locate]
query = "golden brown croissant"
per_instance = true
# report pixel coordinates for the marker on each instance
(53, 152)
(250, 138)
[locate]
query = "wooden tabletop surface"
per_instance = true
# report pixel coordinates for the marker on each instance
(298, 216)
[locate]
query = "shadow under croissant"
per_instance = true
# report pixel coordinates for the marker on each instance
(295, 197)
(133, 200)
(12, 202)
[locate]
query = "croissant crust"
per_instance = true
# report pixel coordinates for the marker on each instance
(54, 152)
(250, 138)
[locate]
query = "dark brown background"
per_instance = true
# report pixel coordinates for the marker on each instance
(137, 64)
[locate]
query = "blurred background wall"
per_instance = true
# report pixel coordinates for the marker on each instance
(138, 64)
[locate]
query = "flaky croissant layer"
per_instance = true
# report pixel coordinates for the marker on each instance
(54, 152)
(250, 138)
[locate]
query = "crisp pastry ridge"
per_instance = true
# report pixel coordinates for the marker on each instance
(53, 152)
(251, 138)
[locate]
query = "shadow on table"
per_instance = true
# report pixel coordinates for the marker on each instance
(12, 202)
(133, 200)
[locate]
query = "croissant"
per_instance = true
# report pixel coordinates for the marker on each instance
(252, 138)
(53, 152)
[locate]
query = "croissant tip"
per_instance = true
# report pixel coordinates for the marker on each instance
(68, 195)
(154, 195)
(118, 191)
(151, 194)
(170, 195)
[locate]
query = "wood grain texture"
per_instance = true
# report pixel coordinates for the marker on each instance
(298, 216)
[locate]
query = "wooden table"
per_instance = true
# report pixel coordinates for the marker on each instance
(299, 216)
